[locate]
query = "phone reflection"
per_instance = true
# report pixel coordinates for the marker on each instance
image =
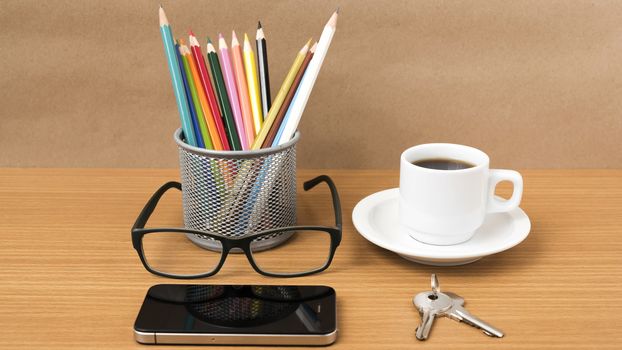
(243, 306)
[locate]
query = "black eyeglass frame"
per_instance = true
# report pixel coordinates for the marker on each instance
(228, 243)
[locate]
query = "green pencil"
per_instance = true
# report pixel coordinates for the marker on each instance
(223, 99)
(185, 52)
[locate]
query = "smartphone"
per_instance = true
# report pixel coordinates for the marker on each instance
(237, 315)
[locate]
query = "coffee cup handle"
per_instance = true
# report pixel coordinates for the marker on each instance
(496, 205)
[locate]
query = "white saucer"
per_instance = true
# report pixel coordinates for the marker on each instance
(376, 217)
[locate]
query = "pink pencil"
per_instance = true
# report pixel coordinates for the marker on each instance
(240, 78)
(227, 71)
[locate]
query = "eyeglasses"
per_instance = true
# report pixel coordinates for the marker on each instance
(169, 252)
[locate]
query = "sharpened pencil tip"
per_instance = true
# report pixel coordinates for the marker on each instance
(192, 40)
(259, 25)
(332, 21)
(260, 35)
(162, 15)
(222, 43)
(338, 7)
(312, 49)
(247, 45)
(190, 32)
(210, 46)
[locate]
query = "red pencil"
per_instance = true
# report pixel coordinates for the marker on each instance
(209, 90)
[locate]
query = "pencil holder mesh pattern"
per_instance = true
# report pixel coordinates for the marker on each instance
(238, 193)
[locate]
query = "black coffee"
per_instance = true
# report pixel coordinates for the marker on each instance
(443, 164)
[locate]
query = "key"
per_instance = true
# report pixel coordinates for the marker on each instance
(459, 313)
(431, 305)
(436, 287)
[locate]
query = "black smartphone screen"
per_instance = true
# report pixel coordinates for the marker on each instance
(238, 309)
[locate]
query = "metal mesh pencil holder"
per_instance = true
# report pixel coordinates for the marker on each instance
(238, 193)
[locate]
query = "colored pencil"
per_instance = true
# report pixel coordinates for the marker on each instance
(178, 85)
(252, 80)
(240, 79)
(223, 99)
(288, 99)
(262, 65)
(207, 112)
(192, 84)
(214, 120)
(280, 97)
(292, 118)
(232, 89)
(193, 113)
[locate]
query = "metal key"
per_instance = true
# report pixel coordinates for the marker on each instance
(430, 305)
(434, 304)
(459, 313)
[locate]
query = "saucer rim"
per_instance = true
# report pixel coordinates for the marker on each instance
(521, 222)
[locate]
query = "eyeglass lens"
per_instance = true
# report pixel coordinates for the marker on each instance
(174, 253)
(304, 250)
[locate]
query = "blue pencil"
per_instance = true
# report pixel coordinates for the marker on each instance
(193, 112)
(277, 138)
(178, 86)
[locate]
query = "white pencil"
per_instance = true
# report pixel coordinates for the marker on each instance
(299, 103)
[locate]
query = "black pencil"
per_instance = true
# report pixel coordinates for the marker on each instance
(262, 65)
(223, 99)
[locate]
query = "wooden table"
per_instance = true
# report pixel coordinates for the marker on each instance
(70, 279)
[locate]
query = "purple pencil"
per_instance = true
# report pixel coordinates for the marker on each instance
(232, 90)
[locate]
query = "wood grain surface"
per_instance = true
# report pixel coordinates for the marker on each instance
(70, 279)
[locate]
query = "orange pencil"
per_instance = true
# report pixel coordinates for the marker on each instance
(206, 81)
(240, 79)
(207, 112)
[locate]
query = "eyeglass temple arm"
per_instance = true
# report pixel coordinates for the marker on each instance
(333, 191)
(141, 221)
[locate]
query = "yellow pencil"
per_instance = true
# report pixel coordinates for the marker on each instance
(252, 80)
(280, 97)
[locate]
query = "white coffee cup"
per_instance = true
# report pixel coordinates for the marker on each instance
(445, 207)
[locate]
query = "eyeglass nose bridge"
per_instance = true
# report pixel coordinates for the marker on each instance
(239, 246)
(236, 246)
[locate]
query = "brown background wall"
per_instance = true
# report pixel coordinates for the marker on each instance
(533, 83)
